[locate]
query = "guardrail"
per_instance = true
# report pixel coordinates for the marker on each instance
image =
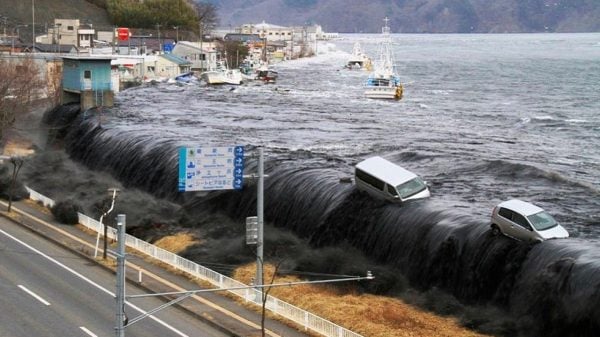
(302, 317)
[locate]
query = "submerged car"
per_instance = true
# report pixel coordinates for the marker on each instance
(384, 179)
(526, 222)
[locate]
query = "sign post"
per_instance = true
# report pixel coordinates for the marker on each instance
(123, 34)
(211, 168)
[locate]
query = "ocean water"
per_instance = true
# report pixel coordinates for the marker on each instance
(484, 118)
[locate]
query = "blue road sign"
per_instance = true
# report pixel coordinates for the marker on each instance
(211, 168)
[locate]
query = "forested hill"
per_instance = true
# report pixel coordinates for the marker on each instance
(350, 16)
(419, 16)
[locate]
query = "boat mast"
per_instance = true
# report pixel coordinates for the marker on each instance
(385, 65)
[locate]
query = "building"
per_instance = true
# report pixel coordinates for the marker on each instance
(267, 31)
(243, 38)
(50, 71)
(202, 55)
(54, 48)
(69, 32)
(87, 80)
(169, 66)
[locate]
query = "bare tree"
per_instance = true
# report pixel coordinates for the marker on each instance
(17, 164)
(206, 14)
(18, 81)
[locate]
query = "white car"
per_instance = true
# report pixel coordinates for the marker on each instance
(524, 221)
(384, 179)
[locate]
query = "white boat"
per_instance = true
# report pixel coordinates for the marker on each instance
(384, 81)
(266, 74)
(222, 75)
(358, 59)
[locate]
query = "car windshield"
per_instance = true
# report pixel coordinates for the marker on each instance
(542, 221)
(411, 187)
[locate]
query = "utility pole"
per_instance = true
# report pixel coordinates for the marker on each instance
(33, 24)
(260, 220)
(159, 44)
(202, 56)
(120, 293)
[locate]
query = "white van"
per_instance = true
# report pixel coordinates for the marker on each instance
(384, 179)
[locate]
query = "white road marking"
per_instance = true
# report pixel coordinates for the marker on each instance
(159, 321)
(36, 296)
(87, 331)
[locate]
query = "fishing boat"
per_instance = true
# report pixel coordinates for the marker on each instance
(222, 75)
(266, 74)
(358, 59)
(384, 81)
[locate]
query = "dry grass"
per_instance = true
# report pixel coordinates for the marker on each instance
(177, 243)
(366, 314)
(369, 315)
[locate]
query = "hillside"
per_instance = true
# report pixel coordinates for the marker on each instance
(352, 16)
(20, 13)
(419, 16)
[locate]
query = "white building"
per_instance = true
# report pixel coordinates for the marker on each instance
(267, 31)
(68, 32)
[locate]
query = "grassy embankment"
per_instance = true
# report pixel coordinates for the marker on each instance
(366, 314)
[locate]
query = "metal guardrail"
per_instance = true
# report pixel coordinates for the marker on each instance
(302, 317)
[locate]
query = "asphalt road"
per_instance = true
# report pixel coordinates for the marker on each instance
(49, 291)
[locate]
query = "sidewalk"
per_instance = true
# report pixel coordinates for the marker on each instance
(213, 307)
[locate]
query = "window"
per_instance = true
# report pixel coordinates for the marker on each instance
(520, 220)
(87, 74)
(411, 187)
(369, 179)
(69, 27)
(505, 213)
(542, 221)
(391, 190)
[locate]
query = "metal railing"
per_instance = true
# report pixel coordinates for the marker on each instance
(299, 316)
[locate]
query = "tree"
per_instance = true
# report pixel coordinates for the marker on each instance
(235, 52)
(206, 14)
(18, 81)
(17, 164)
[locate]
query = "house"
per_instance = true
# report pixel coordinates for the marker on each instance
(88, 80)
(169, 66)
(203, 55)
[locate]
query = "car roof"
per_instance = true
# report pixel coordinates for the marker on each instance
(386, 170)
(521, 207)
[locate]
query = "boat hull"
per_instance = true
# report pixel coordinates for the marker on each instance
(381, 92)
(222, 77)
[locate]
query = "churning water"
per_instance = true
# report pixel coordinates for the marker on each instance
(484, 118)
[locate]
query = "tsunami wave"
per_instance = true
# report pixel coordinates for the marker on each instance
(551, 288)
